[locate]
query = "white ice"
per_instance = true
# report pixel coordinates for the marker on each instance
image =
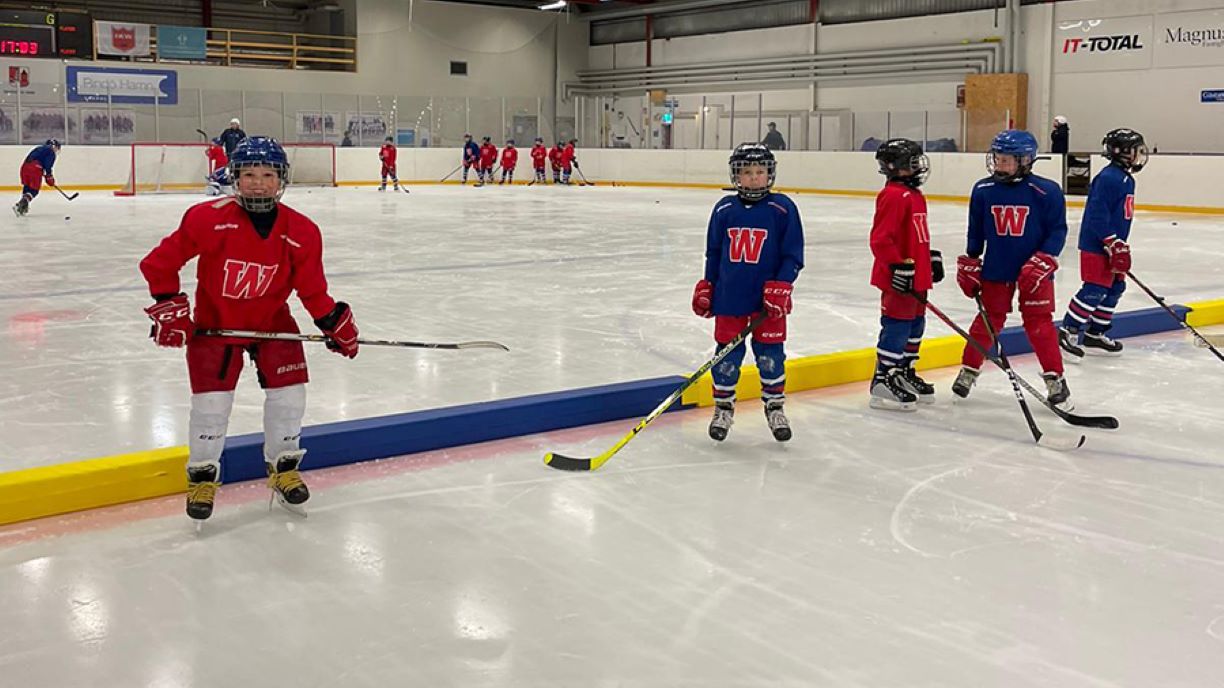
(586, 285)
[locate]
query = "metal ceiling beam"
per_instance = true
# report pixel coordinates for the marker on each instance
(655, 9)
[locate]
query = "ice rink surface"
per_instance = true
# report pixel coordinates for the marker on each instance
(932, 549)
(586, 285)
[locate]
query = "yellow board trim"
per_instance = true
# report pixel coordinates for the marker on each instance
(1203, 313)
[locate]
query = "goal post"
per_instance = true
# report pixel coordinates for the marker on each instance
(182, 167)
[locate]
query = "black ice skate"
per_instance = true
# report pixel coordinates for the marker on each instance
(1068, 341)
(286, 481)
(890, 393)
(778, 424)
(964, 381)
(202, 484)
(1099, 344)
(920, 388)
(1057, 391)
(382, 187)
(22, 207)
(720, 424)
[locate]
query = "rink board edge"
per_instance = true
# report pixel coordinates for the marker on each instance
(79, 485)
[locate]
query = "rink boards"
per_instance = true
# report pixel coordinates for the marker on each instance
(51, 490)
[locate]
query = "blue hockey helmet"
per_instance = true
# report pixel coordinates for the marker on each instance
(260, 151)
(1015, 143)
(54, 143)
(217, 142)
(746, 155)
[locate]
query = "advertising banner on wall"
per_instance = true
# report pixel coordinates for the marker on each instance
(132, 86)
(120, 38)
(318, 126)
(96, 127)
(181, 42)
(8, 124)
(367, 127)
(1101, 45)
(1190, 39)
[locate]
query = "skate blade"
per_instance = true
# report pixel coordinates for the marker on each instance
(886, 405)
(1102, 354)
(295, 509)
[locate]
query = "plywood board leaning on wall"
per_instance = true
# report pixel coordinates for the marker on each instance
(989, 100)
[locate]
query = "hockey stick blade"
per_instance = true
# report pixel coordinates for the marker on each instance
(1205, 341)
(318, 338)
(1061, 444)
(570, 463)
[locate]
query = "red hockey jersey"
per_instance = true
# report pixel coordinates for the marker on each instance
(216, 157)
(488, 155)
(900, 233)
(509, 158)
(243, 281)
(388, 154)
(538, 155)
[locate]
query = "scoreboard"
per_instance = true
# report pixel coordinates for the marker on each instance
(28, 33)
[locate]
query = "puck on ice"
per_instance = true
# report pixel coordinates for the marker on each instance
(67, 218)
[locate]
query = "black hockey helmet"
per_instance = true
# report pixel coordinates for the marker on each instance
(1125, 148)
(539, 140)
(389, 139)
(486, 139)
(745, 155)
(900, 155)
(54, 143)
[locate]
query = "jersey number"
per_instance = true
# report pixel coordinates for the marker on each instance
(921, 228)
(1128, 208)
(247, 280)
(1009, 219)
(746, 244)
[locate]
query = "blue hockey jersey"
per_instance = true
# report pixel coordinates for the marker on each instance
(44, 155)
(1010, 221)
(471, 152)
(748, 244)
(1109, 210)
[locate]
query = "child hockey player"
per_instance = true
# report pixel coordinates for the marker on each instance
(471, 156)
(509, 159)
(244, 277)
(905, 269)
(387, 155)
(1104, 254)
(754, 252)
(539, 153)
(218, 179)
(555, 156)
(488, 157)
(36, 167)
(568, 159)
(1020, 221)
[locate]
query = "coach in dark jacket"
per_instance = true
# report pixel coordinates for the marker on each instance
(1060, 138)
(230, 138)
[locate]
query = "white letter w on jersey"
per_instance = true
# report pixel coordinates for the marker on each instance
(746, 244)
(1010, 219)
(247, 280)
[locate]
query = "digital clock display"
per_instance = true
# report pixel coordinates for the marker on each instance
(27, 41)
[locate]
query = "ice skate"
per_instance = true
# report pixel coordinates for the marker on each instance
(202, 484)
(1099, 344)
(720, 424)
(890, 393)
(22, 207)
(1057, 391)
(923, 390)
(1068, 342)
(382, 187)
(964, 381)
(778, 424)
(286, 481)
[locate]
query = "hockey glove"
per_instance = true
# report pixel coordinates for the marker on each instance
(50, 180)
(1036, 270)
(969, 275)
(937, 271)
(340, 329)
(1119, 255)
(777, 298)
(703, 298)
(902, 277)
(171, 318)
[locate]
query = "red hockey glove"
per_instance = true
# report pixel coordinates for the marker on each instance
(1036, 270)
(937, 271)
(902, 277)
(969, 275)
(777, 298)
(172, 324)
(341, 330)
(50, 180)
(1119, 255)
(703, 298)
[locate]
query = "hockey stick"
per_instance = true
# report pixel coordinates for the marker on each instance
(585, 181)
(1172, 313)
(295, 337)
(1098, 422)
(1038, 437)
(201, 133)
(571, 463)
(71, 198)
(452, 173)
(1202, 341)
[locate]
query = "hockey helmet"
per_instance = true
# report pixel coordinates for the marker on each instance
(1060, 120)
(54, 143)
(257, 151)
(1016, 143)
(1125, 148)
(898, 155)
(745, 155)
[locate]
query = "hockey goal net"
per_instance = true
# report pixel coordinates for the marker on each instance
(183, 167)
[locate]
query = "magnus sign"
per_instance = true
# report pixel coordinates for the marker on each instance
(1190, 39)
